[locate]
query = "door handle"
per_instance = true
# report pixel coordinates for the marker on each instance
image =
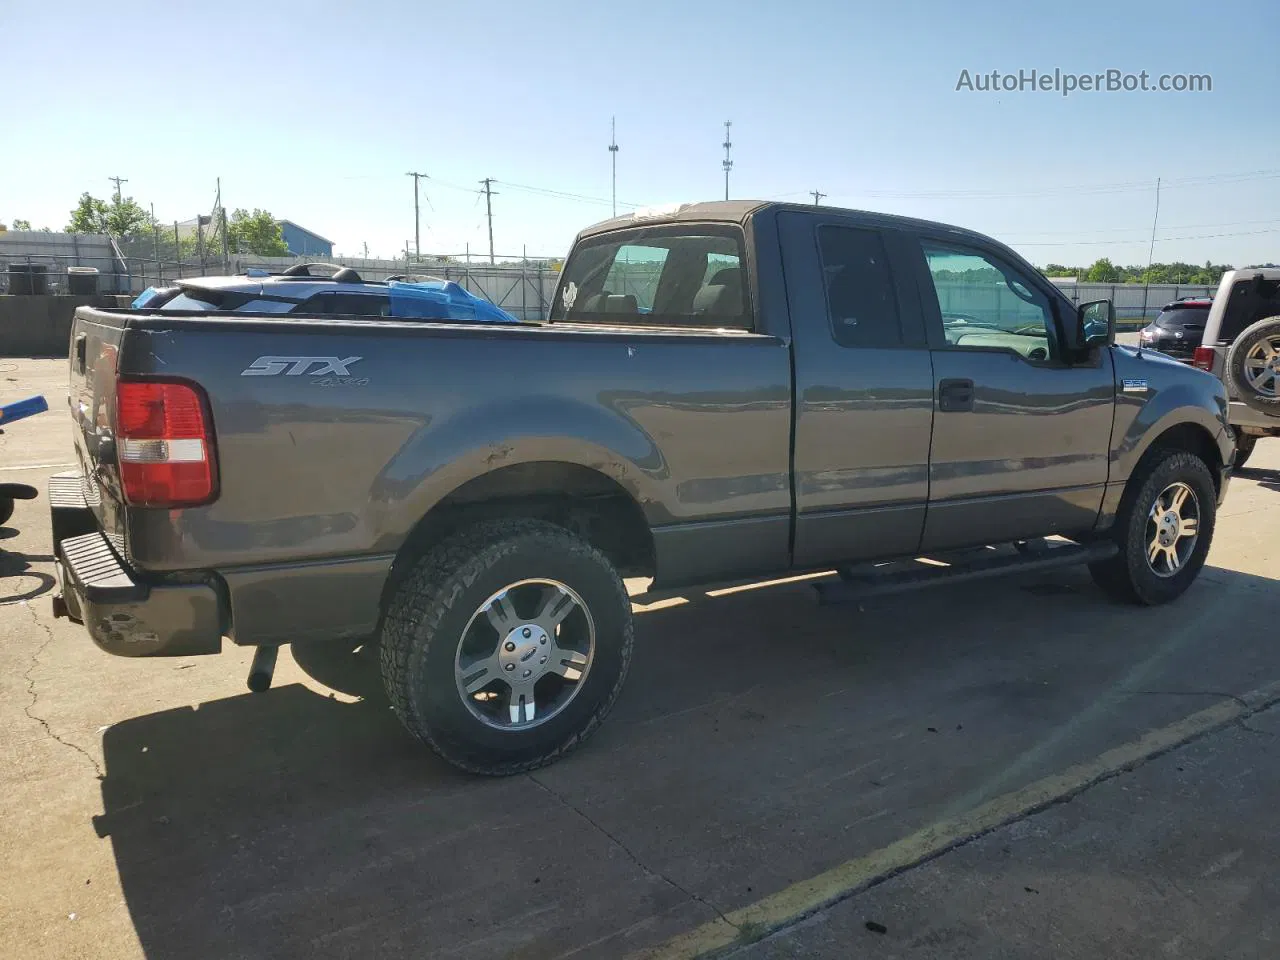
(955, 396)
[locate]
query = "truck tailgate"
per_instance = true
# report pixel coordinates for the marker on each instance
(94, 356)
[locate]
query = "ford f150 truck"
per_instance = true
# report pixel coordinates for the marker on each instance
(720, 391)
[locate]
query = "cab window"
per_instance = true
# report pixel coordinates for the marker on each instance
(988, 305)
(661, 277)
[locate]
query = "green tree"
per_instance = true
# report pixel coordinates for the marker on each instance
(123, 218)
(21, 224)
(256, 232)
(1102, 271)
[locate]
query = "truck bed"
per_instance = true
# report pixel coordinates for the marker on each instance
(334, 469)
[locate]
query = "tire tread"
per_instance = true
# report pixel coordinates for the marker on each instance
(428, 592)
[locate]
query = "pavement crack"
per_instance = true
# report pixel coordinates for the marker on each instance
(1243, 724)
(648, 871)
(29, 710)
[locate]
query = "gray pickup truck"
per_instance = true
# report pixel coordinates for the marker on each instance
(720, 391)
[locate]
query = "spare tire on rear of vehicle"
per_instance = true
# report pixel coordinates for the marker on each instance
(1253, 366)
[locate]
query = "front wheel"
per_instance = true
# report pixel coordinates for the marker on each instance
(1164, 530)
(506, 645)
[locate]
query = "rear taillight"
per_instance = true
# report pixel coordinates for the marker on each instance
(1203, 359)
(164, 441)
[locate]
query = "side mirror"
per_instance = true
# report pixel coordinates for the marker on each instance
(1096, 324)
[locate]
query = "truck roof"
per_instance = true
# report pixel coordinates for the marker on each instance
(739, 211)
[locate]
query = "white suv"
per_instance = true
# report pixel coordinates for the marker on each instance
(1241, 347)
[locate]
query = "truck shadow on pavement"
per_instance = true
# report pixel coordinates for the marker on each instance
(295, 824)
(18, 581)
(1267, 479)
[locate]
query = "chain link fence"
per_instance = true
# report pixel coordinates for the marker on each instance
(1136, 304)
(522, 285)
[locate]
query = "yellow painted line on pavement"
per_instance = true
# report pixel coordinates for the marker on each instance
(789, 905)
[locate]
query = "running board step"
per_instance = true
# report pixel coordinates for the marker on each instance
(857, 583)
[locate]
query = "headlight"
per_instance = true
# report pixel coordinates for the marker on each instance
(1147, 335)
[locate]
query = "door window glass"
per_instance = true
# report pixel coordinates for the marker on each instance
(987, 305)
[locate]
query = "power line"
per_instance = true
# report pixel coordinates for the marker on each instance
(1180, 226)
(564, 195)
(1135, 242)
(817, 196)
(1084, 189)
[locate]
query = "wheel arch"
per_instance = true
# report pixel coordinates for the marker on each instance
(578, 498)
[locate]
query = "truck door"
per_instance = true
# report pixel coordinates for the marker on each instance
(1021, 436)
(863, 389)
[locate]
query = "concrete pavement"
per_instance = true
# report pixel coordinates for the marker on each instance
(155, 808)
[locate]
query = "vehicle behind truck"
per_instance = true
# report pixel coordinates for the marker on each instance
(721, 391)
(1241, 347)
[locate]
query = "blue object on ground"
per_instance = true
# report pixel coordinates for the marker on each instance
(442, 300)
(23, 408)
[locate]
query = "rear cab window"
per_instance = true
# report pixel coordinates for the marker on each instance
(862, 306)
(686, 275)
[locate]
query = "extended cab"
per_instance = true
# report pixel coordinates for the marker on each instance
(721, 391)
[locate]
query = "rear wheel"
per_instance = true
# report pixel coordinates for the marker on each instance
(506, 646)
(1164, 530)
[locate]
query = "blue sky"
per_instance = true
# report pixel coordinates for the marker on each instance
(316, 111)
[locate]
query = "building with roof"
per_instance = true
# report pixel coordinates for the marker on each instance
(303, 242)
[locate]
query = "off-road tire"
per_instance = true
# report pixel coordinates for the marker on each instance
(1244, 448)
(429, 611)
(1127, 576)
(1238, 381)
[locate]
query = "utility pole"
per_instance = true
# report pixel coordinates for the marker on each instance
(727, 163)
(417, 234)
(613, 155)
(817, 196)
(118, 181)
(487, 182)
(155, 245)
(222, 215)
